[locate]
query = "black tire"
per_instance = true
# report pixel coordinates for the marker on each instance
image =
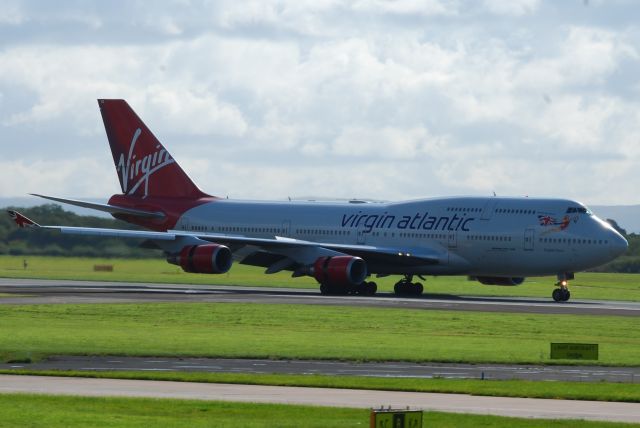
(419, 289)
(325, 289)
(372, 288)
(566, 295)
(397, 289)
(557, 295)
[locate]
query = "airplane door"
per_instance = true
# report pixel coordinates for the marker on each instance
(361, 238)
(528, 239)
(453, 240)
(286, 228)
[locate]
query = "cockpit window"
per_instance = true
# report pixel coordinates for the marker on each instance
(582, 210)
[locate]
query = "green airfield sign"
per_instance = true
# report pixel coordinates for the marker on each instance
(396, 418)
(574, 351)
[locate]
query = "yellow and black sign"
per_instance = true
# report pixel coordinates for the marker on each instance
(396, 418)
(574, 351)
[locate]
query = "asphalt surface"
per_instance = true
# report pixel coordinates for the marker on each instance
(31, 291)
(337, 368)
(458, 403)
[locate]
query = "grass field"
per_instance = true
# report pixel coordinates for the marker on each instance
(22, 410)
(602, 391)
(586, 286)
(307, 332)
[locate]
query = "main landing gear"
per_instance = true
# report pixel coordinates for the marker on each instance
(562, 293)
(405, 287)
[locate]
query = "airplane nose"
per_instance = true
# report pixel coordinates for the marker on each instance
(617, 244)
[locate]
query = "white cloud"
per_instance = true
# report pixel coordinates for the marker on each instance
(78, 177)
(191, 114)
(387, 143)
(408, 7)
(11, 13)
(401, 99)
(512, 7)
(68, 80)
(585, 56)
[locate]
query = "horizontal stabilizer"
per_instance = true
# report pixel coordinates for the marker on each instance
(112, 209)
(21, 220)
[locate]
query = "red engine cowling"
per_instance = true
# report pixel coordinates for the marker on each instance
(340, 270)
(500, 280)
(208, 258)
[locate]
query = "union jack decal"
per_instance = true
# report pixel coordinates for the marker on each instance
(546, 220)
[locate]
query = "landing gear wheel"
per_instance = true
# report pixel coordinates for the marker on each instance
(562, 293)
(405, 287)
(419, 289)
(398, 288)
(370, 288)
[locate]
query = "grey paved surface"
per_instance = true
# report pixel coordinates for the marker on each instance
(339, 368)
(53, 291)
(459, 403)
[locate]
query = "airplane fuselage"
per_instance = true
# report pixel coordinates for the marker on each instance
(474, 236)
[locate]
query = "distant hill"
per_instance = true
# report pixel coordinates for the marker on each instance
(627, 216)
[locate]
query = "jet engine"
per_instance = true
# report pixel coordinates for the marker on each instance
(341, 271)
(500, 280)
(208, 258)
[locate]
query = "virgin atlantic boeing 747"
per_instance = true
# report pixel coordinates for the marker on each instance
(498, 241)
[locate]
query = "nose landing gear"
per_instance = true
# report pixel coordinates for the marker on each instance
(562, 293)
(405, 287)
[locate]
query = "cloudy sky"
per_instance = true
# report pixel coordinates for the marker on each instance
(369, 98)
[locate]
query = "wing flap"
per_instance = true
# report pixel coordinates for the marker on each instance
(371, 253)
(115, 233)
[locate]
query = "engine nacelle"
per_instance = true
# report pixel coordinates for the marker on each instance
(500, 280)
(208, 258)
(340, 270)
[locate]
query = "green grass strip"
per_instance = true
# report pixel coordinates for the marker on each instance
(308, 332)
(63, 411)
(601, 391)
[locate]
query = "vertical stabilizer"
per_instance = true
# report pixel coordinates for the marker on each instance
(145, 168)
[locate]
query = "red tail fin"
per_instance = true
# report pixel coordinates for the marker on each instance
(144, 166)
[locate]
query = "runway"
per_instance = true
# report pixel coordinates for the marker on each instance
(37, 291)
(336, 368)
(457, 403)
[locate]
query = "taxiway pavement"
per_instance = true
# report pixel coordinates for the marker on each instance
(31, 291)
(458, 403)
(336, 368)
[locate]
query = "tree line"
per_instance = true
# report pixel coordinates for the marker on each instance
(16, 241)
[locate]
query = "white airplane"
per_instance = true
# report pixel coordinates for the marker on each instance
(497, 241)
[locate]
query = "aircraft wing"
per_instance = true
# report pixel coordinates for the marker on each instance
(300, 252)
(370, 253)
